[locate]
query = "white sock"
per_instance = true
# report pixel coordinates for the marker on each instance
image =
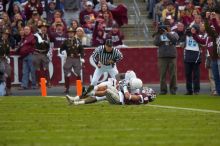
(79, 102)
(76, 98)
(99, 98)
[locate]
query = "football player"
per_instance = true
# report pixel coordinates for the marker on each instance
(131, 92)
(97, 93)
(127, 91)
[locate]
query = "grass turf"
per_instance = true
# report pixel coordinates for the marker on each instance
(50, 121)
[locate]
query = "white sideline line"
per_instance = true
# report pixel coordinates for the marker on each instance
(188, 109)
(56, 96)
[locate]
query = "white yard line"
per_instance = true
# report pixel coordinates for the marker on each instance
(57, 96)
(188, 109)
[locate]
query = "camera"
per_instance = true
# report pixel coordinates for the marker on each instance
(188, 31)
(162, 28)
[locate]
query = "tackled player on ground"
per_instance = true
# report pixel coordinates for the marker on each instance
(127, 89)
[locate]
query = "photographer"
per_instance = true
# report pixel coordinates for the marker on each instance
(192, 60)
(166, 42)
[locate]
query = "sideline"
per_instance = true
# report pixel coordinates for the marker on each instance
(188, 109)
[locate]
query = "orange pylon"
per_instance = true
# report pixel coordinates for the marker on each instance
(43, 87)
(78, 87)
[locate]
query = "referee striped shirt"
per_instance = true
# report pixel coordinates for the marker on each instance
(101, 55)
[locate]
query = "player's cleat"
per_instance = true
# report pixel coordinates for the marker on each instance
(88, 90)
(69, 99)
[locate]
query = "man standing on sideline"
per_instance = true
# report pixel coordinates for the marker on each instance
(166, 42)
(40, 58)
(26, 50)
(6, 43)
(105, 57)
(75, 54)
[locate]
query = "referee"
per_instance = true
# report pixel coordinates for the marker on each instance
(105, 57)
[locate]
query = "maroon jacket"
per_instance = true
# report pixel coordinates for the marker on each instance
(216, 25)
(120, 14)
(208, 42)
(27, 45)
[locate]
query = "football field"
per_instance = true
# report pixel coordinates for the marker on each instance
(170, 121)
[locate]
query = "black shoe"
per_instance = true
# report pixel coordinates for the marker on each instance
(173, 93)
(188, 93)
(84, 91)
(89, 89)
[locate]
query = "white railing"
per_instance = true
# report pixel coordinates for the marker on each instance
(146, 32)
(137, 15)
(139, 25)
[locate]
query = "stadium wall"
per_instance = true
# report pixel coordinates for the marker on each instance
(142, 60)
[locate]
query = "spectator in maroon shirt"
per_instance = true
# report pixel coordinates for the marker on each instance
(31, 6)
(116, 35)
(187, 18)
(26, 50)
(58, 36)
(58, 19)
(107, 17)
(88, 12)
(98, 35)
(50, 11)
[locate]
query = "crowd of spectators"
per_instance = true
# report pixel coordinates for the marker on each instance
(34, 28)
(179, 12)
(86, 16)
(192, 20)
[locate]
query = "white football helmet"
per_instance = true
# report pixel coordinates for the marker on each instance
(135, 83)
(130, 74)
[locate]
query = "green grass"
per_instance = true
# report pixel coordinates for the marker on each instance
(50, 121)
